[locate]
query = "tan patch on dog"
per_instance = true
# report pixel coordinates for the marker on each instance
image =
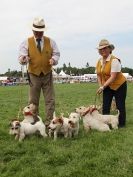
(58, 120)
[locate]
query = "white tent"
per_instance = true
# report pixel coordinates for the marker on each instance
(54, 73)
(63, 74)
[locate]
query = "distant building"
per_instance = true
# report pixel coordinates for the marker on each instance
(128, 76)
(3, 78)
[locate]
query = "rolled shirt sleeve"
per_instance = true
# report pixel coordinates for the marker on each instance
(23, 50)
(56, 53)
(115, 65)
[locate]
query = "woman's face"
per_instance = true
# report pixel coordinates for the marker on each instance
(105, 52)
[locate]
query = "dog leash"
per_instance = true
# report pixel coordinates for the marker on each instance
(28, 76)
(95, 100)
(20, 93)
(20, 99)
(99, 98)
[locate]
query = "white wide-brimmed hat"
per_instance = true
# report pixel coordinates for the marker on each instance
(38, 24)
(105, 43)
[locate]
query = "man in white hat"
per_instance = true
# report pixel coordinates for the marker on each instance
(40, 53)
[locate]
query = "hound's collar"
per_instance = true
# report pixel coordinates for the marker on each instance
(28, 113)
(89, 111)
(86, 112)
(92, 110)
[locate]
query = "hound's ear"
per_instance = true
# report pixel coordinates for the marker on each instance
(11, 121)
(83, 113)
(60, 120)
(18, 124)
(71, 123)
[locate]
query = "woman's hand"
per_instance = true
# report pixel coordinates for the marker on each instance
(100, 90)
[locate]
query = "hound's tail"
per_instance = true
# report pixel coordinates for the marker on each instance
(118, 113)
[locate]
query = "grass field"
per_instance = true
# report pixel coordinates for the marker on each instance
(94, 154)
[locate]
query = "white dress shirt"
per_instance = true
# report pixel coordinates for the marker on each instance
(23, 49)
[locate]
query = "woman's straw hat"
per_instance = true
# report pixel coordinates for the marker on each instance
(105, 43)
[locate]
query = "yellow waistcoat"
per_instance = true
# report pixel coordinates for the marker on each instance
(39, 61)
(106, 72)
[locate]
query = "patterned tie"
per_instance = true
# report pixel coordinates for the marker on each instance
(39, 44)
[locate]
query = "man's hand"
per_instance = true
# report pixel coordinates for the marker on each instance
(51, 61)
(23, 60)
(100, 90)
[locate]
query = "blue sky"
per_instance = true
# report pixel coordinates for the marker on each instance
(77, 26)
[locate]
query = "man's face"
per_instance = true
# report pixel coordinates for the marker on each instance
(38, 34)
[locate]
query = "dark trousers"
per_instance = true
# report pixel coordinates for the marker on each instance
(120, 97)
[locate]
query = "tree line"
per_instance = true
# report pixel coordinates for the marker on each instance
(68, 69)
(85, 70)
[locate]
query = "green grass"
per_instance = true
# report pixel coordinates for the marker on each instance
(94, 154)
